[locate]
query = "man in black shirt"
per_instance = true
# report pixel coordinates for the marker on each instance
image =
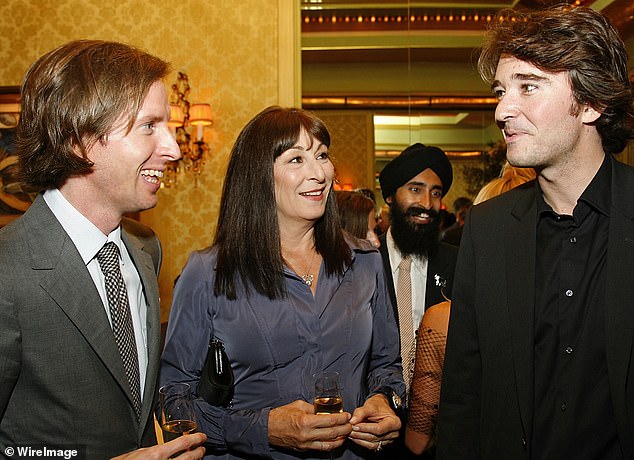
(539, 361)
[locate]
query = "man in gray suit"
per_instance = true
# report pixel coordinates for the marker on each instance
(540, 351)
(93, 136)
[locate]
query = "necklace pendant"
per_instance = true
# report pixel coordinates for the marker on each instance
(308, 279)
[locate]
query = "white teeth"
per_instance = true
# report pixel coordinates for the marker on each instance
(152, 172)
(311, 193)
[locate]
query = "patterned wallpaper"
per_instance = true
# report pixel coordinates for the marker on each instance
(229, 51)
(352, 145)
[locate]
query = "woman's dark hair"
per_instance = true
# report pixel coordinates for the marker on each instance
(248, 236)
(579, 41)
(72, 97)
(354, 208)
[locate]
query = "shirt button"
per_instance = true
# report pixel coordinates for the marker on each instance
(569, 350)
(569, 293)
(573, 239)
(563, 407)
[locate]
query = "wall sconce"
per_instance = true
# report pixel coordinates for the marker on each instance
(183, 118)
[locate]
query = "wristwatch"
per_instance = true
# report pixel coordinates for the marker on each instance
(393, 399)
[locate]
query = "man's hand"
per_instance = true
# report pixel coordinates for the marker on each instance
(374, 424)
(296, 426)
(164, 451)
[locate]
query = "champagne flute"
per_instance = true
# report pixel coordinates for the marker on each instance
(177, 411)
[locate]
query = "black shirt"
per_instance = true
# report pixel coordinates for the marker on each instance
(573, 409)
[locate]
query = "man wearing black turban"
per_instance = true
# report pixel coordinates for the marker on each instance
(413, 185)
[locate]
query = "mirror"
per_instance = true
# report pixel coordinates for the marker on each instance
(410, 67)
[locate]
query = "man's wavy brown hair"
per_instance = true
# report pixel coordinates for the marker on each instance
(579, 41)
(72, 97)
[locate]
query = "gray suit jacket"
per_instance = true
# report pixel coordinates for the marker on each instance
(486, 408)
(62, 381)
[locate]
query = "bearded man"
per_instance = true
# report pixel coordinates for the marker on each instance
(419, 268)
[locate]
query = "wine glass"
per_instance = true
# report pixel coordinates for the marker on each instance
(177, 411)
(328, 398)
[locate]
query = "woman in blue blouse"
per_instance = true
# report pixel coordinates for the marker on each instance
(289, 296)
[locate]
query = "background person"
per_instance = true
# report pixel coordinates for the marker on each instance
(93, 135)
(289, 296)
(422, 414)
(357, 215)
(510, 177)
(452, 234)
(383, 220)
(539, 359)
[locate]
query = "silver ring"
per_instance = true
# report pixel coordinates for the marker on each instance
(380, 446)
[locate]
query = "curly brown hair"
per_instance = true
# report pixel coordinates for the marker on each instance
(579, 41)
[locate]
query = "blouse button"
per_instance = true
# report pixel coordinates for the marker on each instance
(569, 293)
(573, 239)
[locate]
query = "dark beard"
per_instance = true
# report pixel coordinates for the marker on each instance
(412, 238)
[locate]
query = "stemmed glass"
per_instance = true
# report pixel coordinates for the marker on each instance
(177, 411)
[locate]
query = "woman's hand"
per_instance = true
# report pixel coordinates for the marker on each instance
(296, 426)
(374, 424)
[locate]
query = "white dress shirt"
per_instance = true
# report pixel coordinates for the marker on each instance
(418, 273)
(88, 240)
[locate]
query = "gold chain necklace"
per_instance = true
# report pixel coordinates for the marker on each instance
(309, 277)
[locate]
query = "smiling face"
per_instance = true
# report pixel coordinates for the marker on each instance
(420, 198)
(303, 178)
(128, 167)
(414, 213)
(542, 123)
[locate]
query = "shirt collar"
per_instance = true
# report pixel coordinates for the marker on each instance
(86, 237)
(596, 195)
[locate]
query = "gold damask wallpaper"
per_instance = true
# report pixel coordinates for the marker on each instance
(228, 49)
(352, 145)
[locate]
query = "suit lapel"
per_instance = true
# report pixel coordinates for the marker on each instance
(65, 278)
(440, 266)
(619, 312)
(520, 248)
(145, 267)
